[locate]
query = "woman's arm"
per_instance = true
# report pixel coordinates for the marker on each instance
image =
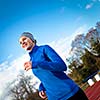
(55, 63)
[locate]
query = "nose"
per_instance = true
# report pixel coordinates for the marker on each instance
(23, 43)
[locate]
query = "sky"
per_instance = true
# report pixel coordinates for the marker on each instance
(53, 22)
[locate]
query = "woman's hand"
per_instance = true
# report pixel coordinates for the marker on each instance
(28, 65)
(42, 94)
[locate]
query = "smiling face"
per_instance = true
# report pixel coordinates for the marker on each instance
(26, 43)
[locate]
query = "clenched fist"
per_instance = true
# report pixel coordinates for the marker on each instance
(28, 65)
(42, 94)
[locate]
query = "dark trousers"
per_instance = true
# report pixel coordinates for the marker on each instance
(80, 95)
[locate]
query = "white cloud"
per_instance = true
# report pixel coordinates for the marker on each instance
(10, 70)
(63, 46)
(88, 6)
(80, 30)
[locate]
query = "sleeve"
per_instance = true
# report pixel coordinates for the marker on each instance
(41, 87)
(55, 63)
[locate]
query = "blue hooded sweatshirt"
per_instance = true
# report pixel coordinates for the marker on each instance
(48, 66)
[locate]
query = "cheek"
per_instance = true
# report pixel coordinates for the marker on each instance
(29, 43)
(33, 45)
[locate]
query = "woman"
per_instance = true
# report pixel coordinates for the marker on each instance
(48, 66)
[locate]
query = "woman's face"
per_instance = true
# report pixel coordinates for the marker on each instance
(26, 43)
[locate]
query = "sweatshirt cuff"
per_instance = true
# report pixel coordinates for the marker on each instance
(41, 87)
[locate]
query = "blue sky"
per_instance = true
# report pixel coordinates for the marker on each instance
(53, 22)
(48, 20)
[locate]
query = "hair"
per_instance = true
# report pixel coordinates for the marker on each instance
(29, 35)
(35, 41)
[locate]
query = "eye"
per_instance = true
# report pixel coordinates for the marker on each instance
(20, 42)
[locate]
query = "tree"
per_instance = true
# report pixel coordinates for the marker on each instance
(75, 72)
(24, 89)
(89, 64)
(84, 57)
